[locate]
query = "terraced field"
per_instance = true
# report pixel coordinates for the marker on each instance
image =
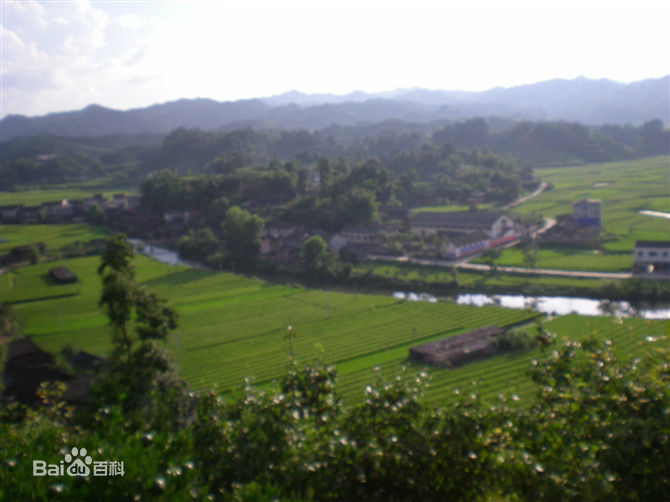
(233, 327)
(54, 236)
(34, 196)
(625, 189)
(507, 373)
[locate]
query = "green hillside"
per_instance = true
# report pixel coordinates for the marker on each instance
(234, 327)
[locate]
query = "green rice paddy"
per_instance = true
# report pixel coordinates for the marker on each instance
(625, 189)
(34, 196)
(232, 327)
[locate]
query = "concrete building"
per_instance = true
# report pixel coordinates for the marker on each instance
(651, 257)
(493, 225)
(586, 212)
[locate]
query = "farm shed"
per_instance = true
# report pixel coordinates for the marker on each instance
(62, 275)
(459, 349)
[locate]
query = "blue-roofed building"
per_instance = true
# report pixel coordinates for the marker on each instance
(586, 212)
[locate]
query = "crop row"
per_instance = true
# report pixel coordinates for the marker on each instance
(340, 339)
(508, 373)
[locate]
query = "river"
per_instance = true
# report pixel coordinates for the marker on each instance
(551, 305)
(562, 305)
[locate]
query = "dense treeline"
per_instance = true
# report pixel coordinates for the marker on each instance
(398, 145)
(538, 143)
(597, 428)
(346, 193)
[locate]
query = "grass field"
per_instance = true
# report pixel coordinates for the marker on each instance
(625, 189)
(568, 259)
(474, 280)
(507, 374)
(54, 236)
(232, 327)
(34, 196)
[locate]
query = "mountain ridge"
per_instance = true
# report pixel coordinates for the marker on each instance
(577, 100)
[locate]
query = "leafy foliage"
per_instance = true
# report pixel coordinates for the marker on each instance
(241, 233)
(598, 430)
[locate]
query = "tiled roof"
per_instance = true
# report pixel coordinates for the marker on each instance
(483, 218)
(652, 244)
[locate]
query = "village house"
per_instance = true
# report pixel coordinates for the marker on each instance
(11, 214)
(459, 349)
(27, 366)
(22, 255)
(279, 229)
(586, 212)
(31, 215)
(283, 242)
(122, 201)
(365, 235)
(56, 211)
(96, 200)
(62, 275)
(176, 217)
(493, 225)
(651, 257)
(394, 212)
(460, 245)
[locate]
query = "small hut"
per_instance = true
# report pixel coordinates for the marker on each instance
(62, 275)
(459, 349)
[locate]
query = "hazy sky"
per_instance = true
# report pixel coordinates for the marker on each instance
(65, 55)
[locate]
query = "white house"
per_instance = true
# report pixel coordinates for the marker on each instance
(651, 257)
(493, 225)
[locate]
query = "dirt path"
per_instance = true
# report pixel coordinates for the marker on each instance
(520, 201)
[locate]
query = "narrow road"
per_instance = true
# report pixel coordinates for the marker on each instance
(520, 201)
(584, 274)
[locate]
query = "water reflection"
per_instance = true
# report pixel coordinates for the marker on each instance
(562, 305)
(160, 254)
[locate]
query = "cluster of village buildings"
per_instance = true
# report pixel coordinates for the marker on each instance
(65, 210)
(446, 235)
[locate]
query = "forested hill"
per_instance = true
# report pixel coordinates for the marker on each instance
(581, 100)
(401, 146)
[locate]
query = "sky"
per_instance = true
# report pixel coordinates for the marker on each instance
(65, 55)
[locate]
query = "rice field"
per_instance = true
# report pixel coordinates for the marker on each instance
(232, 327)
(54, 236)
(625, 188)
(34, 196)
(507, 374)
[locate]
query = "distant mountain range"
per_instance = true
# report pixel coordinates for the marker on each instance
(578, 100)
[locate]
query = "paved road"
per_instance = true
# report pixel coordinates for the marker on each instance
(549, 272)
(515, 270)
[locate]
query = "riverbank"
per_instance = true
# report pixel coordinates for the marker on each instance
(438, 281)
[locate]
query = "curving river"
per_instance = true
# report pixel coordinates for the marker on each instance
(551, 305)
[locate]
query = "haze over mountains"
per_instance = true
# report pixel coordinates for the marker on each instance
(578, 100)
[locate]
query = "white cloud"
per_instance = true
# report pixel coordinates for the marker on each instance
(131, 21)
(64, 55)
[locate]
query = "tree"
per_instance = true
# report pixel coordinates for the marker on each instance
(118, 289)
(491, 255)
(241, 234)
(198, 244)
(137, 363)
(530, 252)
(325, 171)
(313, 253)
